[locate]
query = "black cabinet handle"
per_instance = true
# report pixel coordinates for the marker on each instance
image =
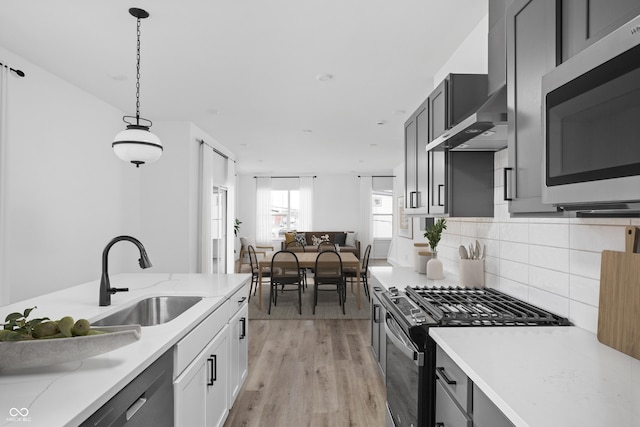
(506, 181)
(243, 332)
(440, 186)
(213, 369)
(376, 313)
(413, 196)
(444, 376)
(439, 424)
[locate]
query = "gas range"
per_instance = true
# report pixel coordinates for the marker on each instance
(411, 353)
(460, 306)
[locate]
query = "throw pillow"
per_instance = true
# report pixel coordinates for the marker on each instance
(246, 242)
(317, 240)
(301, 238)
(289, 236)
(351, 239)
(340, 239)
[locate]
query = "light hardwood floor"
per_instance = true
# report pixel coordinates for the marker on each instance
(310, 373)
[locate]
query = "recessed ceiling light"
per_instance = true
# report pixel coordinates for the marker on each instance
(373, 145)
(212, 111)
(398, 112)
(119, 77)
(324, 77)
(381, 122)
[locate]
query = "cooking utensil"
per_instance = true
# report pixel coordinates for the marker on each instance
(618, 314)
(463, 252)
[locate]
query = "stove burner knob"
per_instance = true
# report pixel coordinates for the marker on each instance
(393, 291)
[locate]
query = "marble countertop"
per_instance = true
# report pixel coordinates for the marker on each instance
(548, 376)
(538, 376)
(66, 394)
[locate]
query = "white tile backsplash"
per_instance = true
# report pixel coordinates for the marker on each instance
(551, 262)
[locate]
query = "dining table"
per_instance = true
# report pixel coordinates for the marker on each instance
(308, 260)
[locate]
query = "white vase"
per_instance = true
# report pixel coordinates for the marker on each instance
(434, 268)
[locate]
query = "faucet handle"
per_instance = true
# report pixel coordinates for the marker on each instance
(114, 290)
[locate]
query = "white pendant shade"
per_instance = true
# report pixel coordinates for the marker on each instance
(137, 146)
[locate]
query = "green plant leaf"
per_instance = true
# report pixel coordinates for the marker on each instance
(28, 311)
(13, 316)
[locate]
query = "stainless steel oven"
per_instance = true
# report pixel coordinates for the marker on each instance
(411, 353)
(591, 106)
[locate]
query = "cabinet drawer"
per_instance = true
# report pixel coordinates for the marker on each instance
(448, 412)
(188, 347)
(238, 299)
(453, 379)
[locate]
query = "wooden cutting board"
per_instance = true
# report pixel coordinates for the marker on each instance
(619, 310)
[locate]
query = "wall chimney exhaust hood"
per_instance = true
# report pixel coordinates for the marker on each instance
(483, 130)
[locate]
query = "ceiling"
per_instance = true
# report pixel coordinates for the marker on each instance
(245, 71)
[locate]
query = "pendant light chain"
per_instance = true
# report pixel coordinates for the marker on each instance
(138, 76)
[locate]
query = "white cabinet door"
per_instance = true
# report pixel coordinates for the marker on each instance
(238, 352)
(200, 392)
(190, 403)
(216, 392)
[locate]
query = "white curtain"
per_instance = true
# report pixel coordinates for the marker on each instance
(306, 203)
(4, 102)
(365, 236)
(263, 211)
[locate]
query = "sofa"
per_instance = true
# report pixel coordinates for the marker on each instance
(347, 240)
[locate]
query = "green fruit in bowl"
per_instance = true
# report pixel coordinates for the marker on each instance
(45, 329)
(81, 328)
(66, 324)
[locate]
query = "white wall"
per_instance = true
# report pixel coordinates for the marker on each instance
(170, 200)
(470, 57)
(67, 194)
(336, 201)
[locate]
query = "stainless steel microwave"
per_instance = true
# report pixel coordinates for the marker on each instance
(591, 120)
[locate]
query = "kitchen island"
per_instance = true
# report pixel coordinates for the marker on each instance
(66, 394)
(537, 376)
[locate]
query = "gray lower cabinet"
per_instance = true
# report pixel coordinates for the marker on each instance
(378, 338)
(532, 51)
(586, 21)
(459, 402)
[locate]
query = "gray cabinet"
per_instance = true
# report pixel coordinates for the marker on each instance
(532, 40)
(453, 100)
(459, 402)
(461, 183)
(416, 138)
(584, 22)
(378, 338)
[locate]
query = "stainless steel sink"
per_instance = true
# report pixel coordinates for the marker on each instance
(150, 311)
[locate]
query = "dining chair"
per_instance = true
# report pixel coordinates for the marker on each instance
(296, 246)
(255, 271)
(352, 272)
(328, 268)
(285, 272)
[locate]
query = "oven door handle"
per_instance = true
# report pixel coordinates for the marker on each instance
(395, 334)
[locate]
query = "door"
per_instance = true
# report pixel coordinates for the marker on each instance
(219, 230)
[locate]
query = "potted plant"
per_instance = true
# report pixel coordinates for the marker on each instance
(433, 234)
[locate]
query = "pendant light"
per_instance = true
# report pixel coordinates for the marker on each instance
(137, 144)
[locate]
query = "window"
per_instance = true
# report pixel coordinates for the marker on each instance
(382, 211)
(285, 212)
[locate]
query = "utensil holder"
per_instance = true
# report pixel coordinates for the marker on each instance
(472, 272)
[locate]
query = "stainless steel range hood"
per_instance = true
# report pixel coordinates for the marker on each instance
(483, 130)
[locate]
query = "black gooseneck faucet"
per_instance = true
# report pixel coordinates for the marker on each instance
(105, 287)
